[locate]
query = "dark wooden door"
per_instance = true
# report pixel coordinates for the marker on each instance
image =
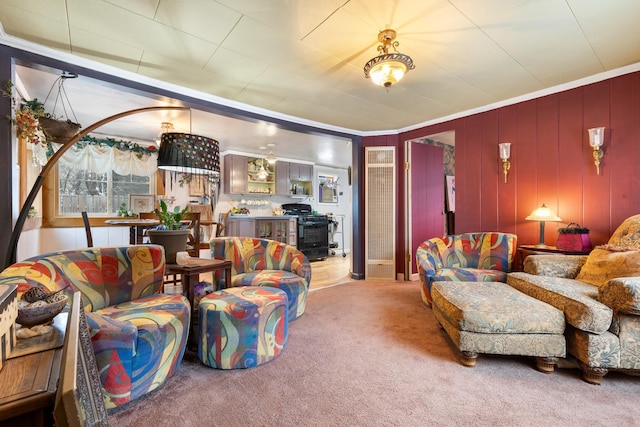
(425, 195)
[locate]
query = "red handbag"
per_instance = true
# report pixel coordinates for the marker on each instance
(574, 238)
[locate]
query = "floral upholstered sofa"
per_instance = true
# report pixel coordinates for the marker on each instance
(467, 257)
(263, 262)
(600, 297)
(138, 333)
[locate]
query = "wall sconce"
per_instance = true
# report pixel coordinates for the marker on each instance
(542, 214)
(596, 139)
(505, 153)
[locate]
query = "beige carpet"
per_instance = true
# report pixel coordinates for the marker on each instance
(369, 354)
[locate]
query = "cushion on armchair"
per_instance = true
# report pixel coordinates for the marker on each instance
(470, 257)
(603, 265)
(138, 334)
(264, 262)
(622, 294)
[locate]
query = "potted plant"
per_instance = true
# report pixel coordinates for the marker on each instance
(169, 233)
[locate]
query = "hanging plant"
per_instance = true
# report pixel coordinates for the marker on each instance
(25, 115)
(58, 128)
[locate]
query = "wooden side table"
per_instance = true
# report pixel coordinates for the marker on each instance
(526, 250)
(189, 277)
(29, 378)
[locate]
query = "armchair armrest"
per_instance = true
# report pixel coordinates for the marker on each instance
(426, 261)
(566, 266)
(622, 294)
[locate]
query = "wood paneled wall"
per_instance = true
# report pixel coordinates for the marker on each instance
(551, 162)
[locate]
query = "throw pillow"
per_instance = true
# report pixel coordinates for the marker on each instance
(603, 265)
(627, 235)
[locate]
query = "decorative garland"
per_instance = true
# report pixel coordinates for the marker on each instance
(139, 150)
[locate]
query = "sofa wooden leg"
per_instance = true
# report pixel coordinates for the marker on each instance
(468, 358)
(593, 375)
(546, 364)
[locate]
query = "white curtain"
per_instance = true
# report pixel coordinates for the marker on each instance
(103, 159)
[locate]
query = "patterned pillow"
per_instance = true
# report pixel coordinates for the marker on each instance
(603, 265)
(627, 235)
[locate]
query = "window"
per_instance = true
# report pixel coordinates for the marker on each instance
(96, 193)
(328, 189)
(96, 176)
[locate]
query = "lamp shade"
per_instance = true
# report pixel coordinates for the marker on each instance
(186, 153)
(543, 213)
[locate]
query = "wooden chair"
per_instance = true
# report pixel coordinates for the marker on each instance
(87, 229)
(222, 224)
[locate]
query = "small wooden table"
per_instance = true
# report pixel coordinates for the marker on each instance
(526, 250)
(136, 227)
(189, 277)
(29, 378)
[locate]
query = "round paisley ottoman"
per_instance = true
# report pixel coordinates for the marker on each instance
(242, 327)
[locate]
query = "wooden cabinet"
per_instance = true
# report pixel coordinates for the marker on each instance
(241, 176)
(300, 172)
(285, 178)
(240, 227)
(283, 184)
(281, 229)
(294, 179)
(235, 174)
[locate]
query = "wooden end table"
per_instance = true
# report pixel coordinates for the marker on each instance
(526, 250)
(189, 277)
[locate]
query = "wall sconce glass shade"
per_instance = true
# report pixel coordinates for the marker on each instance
(543, 214)
(388, 68)
(596, 139)
(505, 153)
(186, 153)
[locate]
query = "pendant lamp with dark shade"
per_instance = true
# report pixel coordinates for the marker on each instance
(186, 153)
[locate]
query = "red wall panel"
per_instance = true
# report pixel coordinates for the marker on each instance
(506, 203)
(551, 162)
(624, 151)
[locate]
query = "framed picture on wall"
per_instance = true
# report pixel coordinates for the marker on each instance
(141, 203)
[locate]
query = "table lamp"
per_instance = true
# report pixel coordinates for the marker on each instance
(543, 214)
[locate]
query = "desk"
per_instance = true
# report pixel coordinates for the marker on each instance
(189, 276)
(29, 378)
(136, 227)
(526, 250)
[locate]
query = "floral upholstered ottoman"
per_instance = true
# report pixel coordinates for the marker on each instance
(494, 318)
(242, 327)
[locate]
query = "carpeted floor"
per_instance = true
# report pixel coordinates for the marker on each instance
(369, 354)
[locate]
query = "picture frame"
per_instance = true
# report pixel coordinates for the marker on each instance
(141, 203)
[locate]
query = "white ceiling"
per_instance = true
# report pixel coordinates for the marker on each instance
(303, 59)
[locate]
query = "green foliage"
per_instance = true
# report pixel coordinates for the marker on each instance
(119, 144)
(169, 220)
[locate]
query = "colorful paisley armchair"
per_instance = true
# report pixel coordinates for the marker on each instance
(138, 333)
(263, 262)
(466, 257)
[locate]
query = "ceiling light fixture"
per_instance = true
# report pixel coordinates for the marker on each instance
(262, 172)
(388, 68)
(271, 158)
(165, 127)
(186, 153)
